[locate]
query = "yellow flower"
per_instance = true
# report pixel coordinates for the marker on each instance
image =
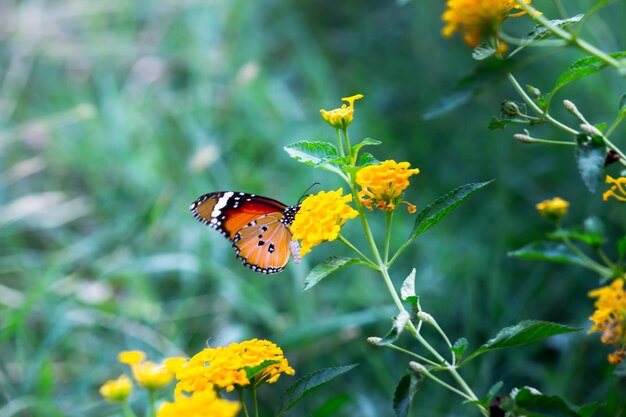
(117, 389)
(174, 364)
(320, 218)
(131, 357)
(200, 404)
(617, 191)
(150, 375)
(478, 19)
(341, 118)
(609, 318)
(226, 367)
(554, 209)
(382, 184)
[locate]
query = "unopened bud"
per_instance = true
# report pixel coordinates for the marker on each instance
(373, 340)
(533, 91)
(417, 368)
(425, 317)
(522, 137)
(570, 107)
(510, 108)
(590, 130)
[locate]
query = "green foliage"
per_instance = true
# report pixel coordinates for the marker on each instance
(540, 32)
(318, 154)
(583, 68)
(530, 402)
(547, 251)
(309, 383)
(406, 389)
(329, 266)
(590, 157)
(525, 332)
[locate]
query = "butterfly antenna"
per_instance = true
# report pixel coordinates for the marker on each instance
(304, 195)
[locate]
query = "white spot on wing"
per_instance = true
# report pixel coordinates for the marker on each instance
(221, 203)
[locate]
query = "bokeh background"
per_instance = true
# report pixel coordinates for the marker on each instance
(115, 115)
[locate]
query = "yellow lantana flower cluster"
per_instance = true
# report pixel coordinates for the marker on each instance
(227, 367)
(617, 190)
(382, 185)
(117, 390)
(200, 404)
(342, 117)
(149, 375)
(553, 209)
(477, 19)
(320, 218)
(609, 318)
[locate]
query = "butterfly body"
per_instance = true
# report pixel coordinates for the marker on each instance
(257, 226)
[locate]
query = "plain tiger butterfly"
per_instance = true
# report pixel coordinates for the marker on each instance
(258, 227)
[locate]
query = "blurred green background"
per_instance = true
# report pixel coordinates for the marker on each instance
(116, 115)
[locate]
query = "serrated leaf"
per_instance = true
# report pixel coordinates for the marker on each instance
(367, 159)
(459, 347)
(399, 323)
(408, 287)
(308, 384)
(405, 391)
(583, 68)
(484, 75)
(252, 371)
(327, 267)
(364, 142)
(525, 332)
(497, 123)
(590, 157)
(442, 207)
(483, 51)
(541, 32)
(530, 402)
(314, 153)
(547, 251)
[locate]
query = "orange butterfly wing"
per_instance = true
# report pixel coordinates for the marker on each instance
(257, 226)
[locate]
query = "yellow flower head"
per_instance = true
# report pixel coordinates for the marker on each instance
(150, 375)
(174, 364)
(320, 218)
(382, 185)
(131, 357)
(617, 191)
(341, 118)
(554, 209)
(227, 367)
(609, 318)
(200, 404)
(477, 19)
(117, 389)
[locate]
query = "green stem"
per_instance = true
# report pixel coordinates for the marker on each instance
(348, 147)
(415, 355)
(538, 109)
(127, 411)
(254, 400)
(445, 337)
(243, 402)
(339, 142)
(426, 373)
(589, 263)
(388, 234)
(151, 406)
(550, 142)
(364, 258)
(571, 39)
(616, 123)
(604, 258)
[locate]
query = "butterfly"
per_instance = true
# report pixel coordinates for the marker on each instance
(258, 227)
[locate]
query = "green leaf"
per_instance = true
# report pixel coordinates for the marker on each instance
(459, 348)
(442, 207)
(364, 142)
(314, 153)
(590, 157)
(541, 32)
(525, 332)
(622, 105)
(547, 251)
(251, 372)
(621, 247)
(399, 323)
(582, 68)
(407, 290)
(532, 403)
(484, 75)
(308, 384)
(497, 123)
(405, 391)
(367, 159)
(327, 267)
(486, 400)
(588, 238)
(620, 370)
(483, 51)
